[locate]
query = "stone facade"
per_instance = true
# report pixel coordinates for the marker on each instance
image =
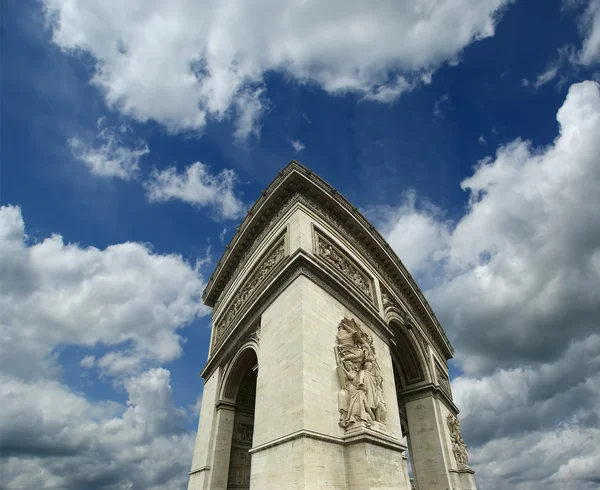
(316, 317)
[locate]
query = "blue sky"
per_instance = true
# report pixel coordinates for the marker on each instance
(105, 107)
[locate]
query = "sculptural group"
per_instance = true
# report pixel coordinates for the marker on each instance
(360, 399)
(459, 448)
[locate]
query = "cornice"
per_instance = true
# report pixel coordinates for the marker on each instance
(293, 179)
(300, 263)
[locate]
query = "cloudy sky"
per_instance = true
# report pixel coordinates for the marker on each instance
(134, 135)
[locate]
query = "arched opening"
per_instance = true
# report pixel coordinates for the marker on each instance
(241, 389)
(409, 367)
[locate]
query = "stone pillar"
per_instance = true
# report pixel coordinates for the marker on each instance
(375, 462)
(203, 455)
(298, 441)
(223, 433)
(464, 478)
(428, 448)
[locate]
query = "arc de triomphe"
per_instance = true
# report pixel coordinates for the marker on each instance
(324, 355)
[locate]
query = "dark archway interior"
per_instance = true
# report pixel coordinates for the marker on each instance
(407, 363)
(243, 423)
(408, 370)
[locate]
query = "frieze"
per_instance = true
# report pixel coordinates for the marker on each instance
(341, 228)
(443, 380)
(250, 286)
(343, 264)
(243, 433)
(267, 228)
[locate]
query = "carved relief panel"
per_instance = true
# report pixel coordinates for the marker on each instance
(459, 448)
(360, 399)
(342, 263)
(443, 380)
(266, 266)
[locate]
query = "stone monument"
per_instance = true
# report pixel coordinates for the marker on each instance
(324, 356)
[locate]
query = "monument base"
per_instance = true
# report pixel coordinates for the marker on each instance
(463, 478)
(362, 460)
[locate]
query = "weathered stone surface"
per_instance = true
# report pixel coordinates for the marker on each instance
(314, 310)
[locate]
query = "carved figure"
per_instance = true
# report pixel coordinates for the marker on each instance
(459, 448)
(360, 399)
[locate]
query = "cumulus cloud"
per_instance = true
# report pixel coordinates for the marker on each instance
(197, 186)
(125, 297)
(55, 438)
(418, 234)
(130, 301)
(516, 284)
(116, 155)
(183, 62)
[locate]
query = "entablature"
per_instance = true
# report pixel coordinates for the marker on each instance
(298, 185)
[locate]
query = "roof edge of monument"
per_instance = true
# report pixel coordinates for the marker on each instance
(288, 181)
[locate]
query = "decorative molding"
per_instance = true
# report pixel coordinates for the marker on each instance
(267, 228)
(340, 261)
(366, 254)
(423, 344)
(362, 435)
(243, 433)
(263, 270)
(425, 391)
(443, 380)
(294, 180)
(255, 335)
(199, 470)
(300, 263)
(388, 301)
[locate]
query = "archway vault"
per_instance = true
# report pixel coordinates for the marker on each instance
(245, 359)
(410, 364)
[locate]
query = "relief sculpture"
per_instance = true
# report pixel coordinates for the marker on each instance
(459, 448)
(360, 398)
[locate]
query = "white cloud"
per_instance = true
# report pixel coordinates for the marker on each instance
(516, 284)
(418, 235)
(55, 438)
(297, 145)
(123, 297)
(199, 187)
(183, 62)
(441, 106)
(482, 140)
(590, 26)
(115, 156)
(88, 362)
(250, 107)
(547, 76)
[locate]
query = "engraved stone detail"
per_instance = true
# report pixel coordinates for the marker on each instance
(459, 448)
(344, 265)
(255, 335)
(264, 269)
(243, 433)
(341, 228)
(257, 241)
(360, 399)
(443, 380)
(424, 348)
(239, 469)
(386, 299)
